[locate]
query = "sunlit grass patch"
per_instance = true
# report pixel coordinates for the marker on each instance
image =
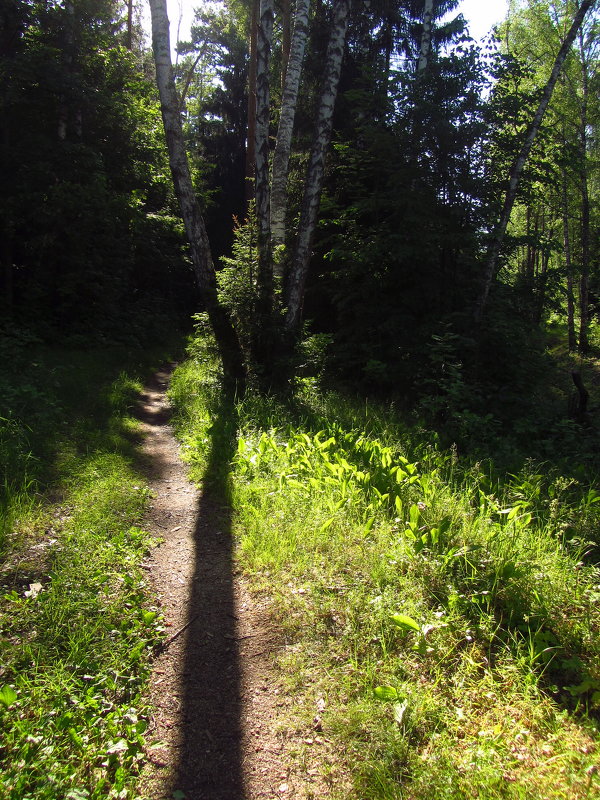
(77, 646)
(76, 617)
(440, 619)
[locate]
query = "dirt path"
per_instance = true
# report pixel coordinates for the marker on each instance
(214, 733)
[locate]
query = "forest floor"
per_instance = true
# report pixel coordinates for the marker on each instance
(217, 730)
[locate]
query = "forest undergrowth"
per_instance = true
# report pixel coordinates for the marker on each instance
(77, 621)
(441, 617)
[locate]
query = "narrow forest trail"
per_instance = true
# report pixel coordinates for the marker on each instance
(214, 732)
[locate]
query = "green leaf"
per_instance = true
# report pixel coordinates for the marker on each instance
(7, 696)
(369, 525)
(414, 515)
(398, 504)
(405, 622)
(326, 524)
(385, 693)
(75, 737)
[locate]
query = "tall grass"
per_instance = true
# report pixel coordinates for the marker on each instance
(441, 618)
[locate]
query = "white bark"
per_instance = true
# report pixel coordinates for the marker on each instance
(190, 209)
(281, 157)
(568, 266)
(286, 37)
(169, 106)
(426, 36)
(251, 132)
(67, 56)
(265, 35)
(519, 164)
(584, 312)
(316, 167)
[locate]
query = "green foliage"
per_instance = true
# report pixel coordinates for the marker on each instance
(400, 231)
(212, 70)
(446, 614)
(237, 278)
(83, 175)
(74, 604)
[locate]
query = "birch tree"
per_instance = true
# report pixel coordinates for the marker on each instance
(227, 339)
(519, 163)
(281, 157)
(426, 36)
(568, 264)
(316, 168)
(584, 314)
(251, 133)
(262, 326)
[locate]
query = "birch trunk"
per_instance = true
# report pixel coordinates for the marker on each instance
(129, 34)
(517, 168)
(281, 157)
(316, 168)
(584, 281)
(286, 30)
(569, 268)
(251, 132)
(227, 340)
(68, 58)
(263, 204)
(584, 313)
(426, 37)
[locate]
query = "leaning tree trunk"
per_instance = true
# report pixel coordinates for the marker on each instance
(316, 167)
(281, 157)
(227, 340)
(517, 168)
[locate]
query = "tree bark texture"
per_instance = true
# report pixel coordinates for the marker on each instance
(251, 133)
(286, 31)
(263, 189)
(227, 340)
(129, 35)
(426, 37)
(584, 312)
(281, 157)
(517, 168)
(68, 56)
(316, 167)
(569, 268)
(578, 406)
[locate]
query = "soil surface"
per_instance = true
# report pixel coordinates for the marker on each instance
(215, 733)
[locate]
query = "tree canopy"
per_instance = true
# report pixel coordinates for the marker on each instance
(392, 158)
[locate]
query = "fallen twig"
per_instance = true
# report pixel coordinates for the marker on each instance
(162, 647)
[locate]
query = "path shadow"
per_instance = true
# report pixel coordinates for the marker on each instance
(210, 757)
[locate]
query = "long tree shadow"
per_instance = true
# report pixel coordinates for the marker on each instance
(210, 758)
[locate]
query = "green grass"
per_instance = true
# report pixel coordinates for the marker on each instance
(445, 613)
(76, 615)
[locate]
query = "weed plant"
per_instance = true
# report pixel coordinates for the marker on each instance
(441, 618)
(75, 613)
